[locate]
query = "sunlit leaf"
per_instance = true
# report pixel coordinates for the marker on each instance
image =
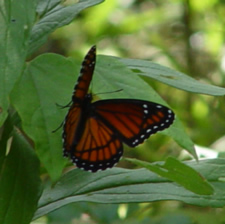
(171, 77)
(54, 16)
(180, 173)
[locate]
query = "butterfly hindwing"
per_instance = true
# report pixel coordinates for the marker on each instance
(98, 147)
(70, 128)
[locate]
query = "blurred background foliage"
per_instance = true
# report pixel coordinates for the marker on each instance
(186, 35)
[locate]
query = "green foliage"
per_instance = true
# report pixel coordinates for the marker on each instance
(30, 91)
(14, 37)
(20, 184)
(125, 186)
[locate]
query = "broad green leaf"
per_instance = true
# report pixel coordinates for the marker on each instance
(16, 19)
(53, 15)
(19, 182)
(118, 185)
(171, 77)
(111, 75)
(48, 80)
(180, 173)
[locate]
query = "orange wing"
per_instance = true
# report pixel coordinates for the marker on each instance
(98, 147)
(86, 73)
(70, 127)
(133, 120)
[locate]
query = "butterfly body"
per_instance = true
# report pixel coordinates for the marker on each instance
(94, 131)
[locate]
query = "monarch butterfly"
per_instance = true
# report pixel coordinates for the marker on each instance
(93, 133)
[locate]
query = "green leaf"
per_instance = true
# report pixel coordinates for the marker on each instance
(54, 16)
(16, 19)
(171, 77)
(19, 182)
(180, 173)
(125, 186)
(48, 80)
(177, 132)
(111, 75)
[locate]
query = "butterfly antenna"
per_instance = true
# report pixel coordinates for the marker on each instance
(58, 127)
(109, 92)
(62, 107)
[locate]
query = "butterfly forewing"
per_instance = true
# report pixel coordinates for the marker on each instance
(86, 73)
(133, 120)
